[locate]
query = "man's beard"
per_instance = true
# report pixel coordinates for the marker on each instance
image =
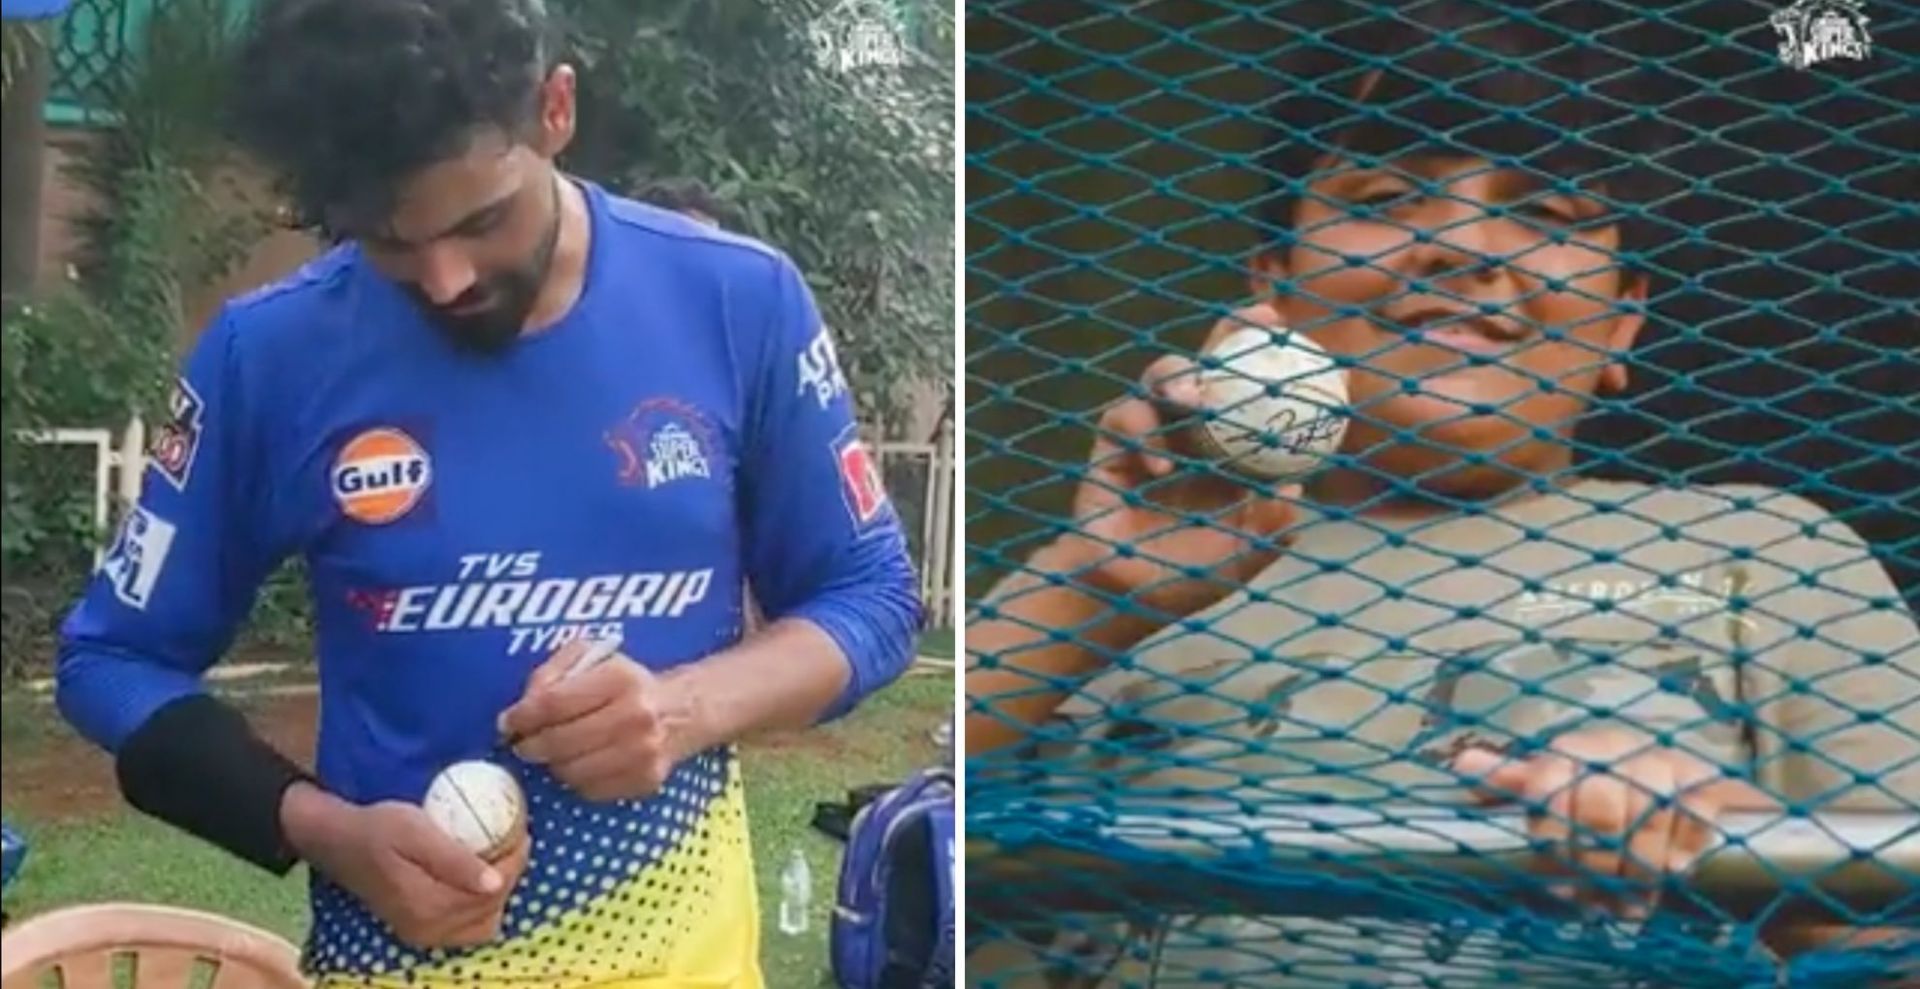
(507, 299)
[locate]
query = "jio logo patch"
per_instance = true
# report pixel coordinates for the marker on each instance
(380, 475)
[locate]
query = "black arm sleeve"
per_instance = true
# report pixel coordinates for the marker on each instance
(198, 765)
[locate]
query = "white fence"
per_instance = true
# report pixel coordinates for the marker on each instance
(920, 479)
(115, 484)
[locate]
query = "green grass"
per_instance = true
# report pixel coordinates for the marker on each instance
(937, 643)
(24, 724)
(130, 857)
(124, 856)
(883, 741)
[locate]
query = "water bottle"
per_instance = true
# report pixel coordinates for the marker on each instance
(796, 894)
(943, 738)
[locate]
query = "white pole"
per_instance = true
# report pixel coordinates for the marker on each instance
(133, 462)
(102, 485)
(929, 517)
(940, 517)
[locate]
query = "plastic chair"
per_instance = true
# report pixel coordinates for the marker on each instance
(139, 946)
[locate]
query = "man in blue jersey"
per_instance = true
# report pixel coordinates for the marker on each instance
(507, 414)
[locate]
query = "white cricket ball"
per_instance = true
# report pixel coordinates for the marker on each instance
(480, 804)
(1279, 403)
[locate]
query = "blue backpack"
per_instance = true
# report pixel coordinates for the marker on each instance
(893, 918)
(13, 851)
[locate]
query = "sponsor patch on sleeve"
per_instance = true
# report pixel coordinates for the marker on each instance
(175, 443)
(139, 554)
(860, 482)
(819, 372)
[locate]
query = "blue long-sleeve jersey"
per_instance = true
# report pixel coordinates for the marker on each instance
(685, 430)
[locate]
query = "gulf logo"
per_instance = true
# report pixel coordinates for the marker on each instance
(380, 475)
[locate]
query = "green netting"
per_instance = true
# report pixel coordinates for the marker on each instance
(93, 42)
(1623, 526)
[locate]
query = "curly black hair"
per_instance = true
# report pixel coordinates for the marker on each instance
(683, 194)
(344, 99)
(1461, 77)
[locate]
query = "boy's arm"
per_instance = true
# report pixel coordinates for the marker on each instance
(1048, 631)
(1150, 544)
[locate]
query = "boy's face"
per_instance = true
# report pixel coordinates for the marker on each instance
(1477, 306)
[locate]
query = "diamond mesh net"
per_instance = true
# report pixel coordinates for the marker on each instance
(1441, 494)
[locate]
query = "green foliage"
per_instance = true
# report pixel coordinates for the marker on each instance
(165, 228)
(19, 40)
(848, 170)
(61, 363)
(101, 349)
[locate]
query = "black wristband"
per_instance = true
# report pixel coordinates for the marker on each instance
(198, 765)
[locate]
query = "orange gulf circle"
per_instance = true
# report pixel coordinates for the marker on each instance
(385, 487)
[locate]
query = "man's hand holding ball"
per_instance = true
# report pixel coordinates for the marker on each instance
(406, 867)
(604, 730)
(439, 873)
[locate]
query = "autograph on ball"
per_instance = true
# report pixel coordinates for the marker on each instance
(1321, 429)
